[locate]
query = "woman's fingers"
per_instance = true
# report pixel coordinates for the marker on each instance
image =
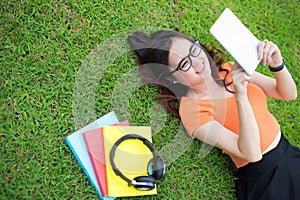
(268, 52)
(264, 51)
(261, 46)
(240, 78)
(236, 68)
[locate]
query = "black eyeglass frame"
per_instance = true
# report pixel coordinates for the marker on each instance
(196, 44)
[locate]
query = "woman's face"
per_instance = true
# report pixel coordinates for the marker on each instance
(187, 55)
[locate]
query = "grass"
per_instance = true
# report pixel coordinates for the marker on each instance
(43, 48)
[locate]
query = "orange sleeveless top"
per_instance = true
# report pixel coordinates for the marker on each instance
(195, 113)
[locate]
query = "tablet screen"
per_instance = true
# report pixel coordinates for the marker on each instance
(236, 38)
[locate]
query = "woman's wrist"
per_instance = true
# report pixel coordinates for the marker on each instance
(241, 96)
(278, 68)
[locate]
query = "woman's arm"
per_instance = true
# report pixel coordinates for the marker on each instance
(217, 135)
(283, 86)
(249, 137)
(246, 145)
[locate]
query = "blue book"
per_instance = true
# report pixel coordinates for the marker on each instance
(80, 151)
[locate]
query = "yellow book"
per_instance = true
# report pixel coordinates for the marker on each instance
(131, 158)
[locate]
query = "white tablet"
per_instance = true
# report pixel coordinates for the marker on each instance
(236, 38)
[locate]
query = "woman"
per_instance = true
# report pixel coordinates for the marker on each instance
(223, 106)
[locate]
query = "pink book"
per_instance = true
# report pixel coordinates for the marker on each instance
(95, 145)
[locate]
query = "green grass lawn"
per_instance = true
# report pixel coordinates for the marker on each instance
(44, 47)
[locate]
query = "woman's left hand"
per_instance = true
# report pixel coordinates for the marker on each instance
(269, 53)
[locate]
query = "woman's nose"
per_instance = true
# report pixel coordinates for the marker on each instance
(197, 63)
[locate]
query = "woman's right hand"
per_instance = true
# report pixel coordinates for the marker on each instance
(240, 79)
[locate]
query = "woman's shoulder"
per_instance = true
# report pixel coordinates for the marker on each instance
(228, 65)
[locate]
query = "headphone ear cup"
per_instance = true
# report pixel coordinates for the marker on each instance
(144, 183)
(156, 168)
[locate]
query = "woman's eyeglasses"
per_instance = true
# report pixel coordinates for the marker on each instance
(186, 63)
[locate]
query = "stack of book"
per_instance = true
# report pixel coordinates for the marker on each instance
(91, 147)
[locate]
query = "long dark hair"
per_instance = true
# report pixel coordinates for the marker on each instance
(153, 60)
